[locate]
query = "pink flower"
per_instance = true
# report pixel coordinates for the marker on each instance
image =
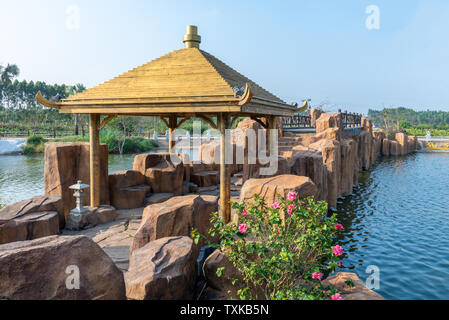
(319, 222)
(296, 249)
(317, 275)
(337, 250)
(340, 264)
(243, 228)
(290, 209)
(275, 205)
(291, 196)
(339, 227)
(336, 296)
(244, 213)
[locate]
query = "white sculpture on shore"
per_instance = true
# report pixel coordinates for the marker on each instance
(428, 136)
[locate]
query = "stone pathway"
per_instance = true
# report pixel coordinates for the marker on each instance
(115, 237)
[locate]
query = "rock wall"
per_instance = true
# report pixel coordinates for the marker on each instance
(65, 164)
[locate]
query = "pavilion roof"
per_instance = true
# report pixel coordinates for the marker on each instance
(188, 80)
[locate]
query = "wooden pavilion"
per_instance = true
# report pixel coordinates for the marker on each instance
(183, 84)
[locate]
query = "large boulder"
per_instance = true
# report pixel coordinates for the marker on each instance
(224, 283)
(365, 149)
(357, 292)
(330, 120)
(205, 178)
(128, 189)
(46, 269)
(315, 114)
(331, 153)
(270, 188)
(402, 139)
(386, 145)
(175, 217)
(68, 162)
(164, 172)
(329, 134)
(413, 144)
(37, 217)
(162, 270)
(395, 148)
(309, 163)
(349, 166)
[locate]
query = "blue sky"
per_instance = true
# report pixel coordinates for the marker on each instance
(320, 50)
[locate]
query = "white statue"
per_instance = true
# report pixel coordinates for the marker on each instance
(428, 136)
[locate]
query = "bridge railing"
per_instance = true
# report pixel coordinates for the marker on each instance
(297, 122)
(349, 119)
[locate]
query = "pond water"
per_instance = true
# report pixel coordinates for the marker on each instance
(398, 220)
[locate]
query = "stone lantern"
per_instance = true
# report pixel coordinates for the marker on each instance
(74, 220)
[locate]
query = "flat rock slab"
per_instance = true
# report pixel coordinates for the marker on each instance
(116, 237)
(357, 292)
(158, 198)
(96, 216)
(49, 268)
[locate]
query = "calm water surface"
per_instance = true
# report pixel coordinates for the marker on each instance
(398, 219)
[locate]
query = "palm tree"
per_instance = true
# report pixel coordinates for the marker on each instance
(8, 73)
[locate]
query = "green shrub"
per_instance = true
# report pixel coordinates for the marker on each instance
(29, 149)
(282, 250)
(35, 140)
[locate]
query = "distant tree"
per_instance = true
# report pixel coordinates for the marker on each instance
(8, 73)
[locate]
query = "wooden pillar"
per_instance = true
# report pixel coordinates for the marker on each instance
(171, 128)
(271, 135)
(94, 130)
(225, 174)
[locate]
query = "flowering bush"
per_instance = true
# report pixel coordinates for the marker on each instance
(283, 250)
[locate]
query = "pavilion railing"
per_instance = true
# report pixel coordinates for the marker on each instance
(349, 119)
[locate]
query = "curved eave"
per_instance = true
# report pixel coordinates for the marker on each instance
(247, 102)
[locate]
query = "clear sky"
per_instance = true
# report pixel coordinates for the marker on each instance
(296, 49)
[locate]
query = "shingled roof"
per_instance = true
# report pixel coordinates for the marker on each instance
(188, 77)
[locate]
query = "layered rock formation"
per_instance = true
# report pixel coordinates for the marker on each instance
(58, 268)
(37, 217)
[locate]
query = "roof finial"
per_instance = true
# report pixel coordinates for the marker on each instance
(192, 39)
